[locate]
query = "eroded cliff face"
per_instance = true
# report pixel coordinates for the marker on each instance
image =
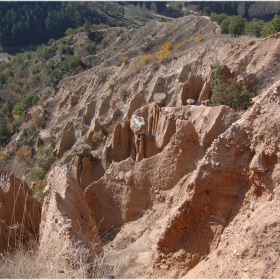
(67, 223)
(184, 206)
(103, 98)
(249, 232)
(20, 213)
(194, 192)
(167, 199)
(176, 139)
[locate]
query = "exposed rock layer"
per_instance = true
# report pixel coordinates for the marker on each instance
(20, 214)
(67, 222)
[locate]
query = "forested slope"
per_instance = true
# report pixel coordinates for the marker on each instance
(32, 22)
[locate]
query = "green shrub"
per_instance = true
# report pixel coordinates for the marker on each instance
(45, 51)
(3, 78)
(49, 67)
(69, 40)
(45, 158)
(31, 130)
(125, 94)
(90, 47)
(254, 28)
(18, 122)
(18, 109)
(15, 84)
(37, 174)
(55, 76)
(71, 31)
(230, 93)
(30, 100)
(224, 26)
(271, 27)
(34, 80)
(65, 49)
(104, 43)
(236, 25)
(25, 142)
(119, 32)
(24, 66)
(34, 69)
(27, 102)
(7, 107)
(97, 138)
(70, 64)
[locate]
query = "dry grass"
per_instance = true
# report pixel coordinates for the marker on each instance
(178, 46)
(145, 59)
(125, 59)
(22, 263)
(199, 39)
(85, 264)
(28, 262)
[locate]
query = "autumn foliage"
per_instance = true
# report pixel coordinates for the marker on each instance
(165, 51)
(24, 154)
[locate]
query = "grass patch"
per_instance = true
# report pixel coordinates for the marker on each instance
(27, 262)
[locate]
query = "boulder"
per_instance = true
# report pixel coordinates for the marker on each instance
(82, 149)
(160, 99)
(190, 101)
(138, 125)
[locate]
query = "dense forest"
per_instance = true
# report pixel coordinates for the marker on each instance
(263, 10)
(25, 23)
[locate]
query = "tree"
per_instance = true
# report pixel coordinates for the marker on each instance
(104, 43)
(207, 11)
(271, 27)
(236, 25)
(5, 133)
(8, 72)
(254, 28)
(34, 80)
(230, 93)
(241, 9)
(224, 26)
(55, 76)
(18, 109)
(87, 27)
(30, 100)
(7, 107)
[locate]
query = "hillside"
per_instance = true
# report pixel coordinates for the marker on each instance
(140, 167)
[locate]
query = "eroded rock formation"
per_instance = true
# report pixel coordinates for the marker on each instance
(20, 214)
(67, 222)
(194, 216)
(176, 139)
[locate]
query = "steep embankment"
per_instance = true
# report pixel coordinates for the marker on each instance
(173, 198)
